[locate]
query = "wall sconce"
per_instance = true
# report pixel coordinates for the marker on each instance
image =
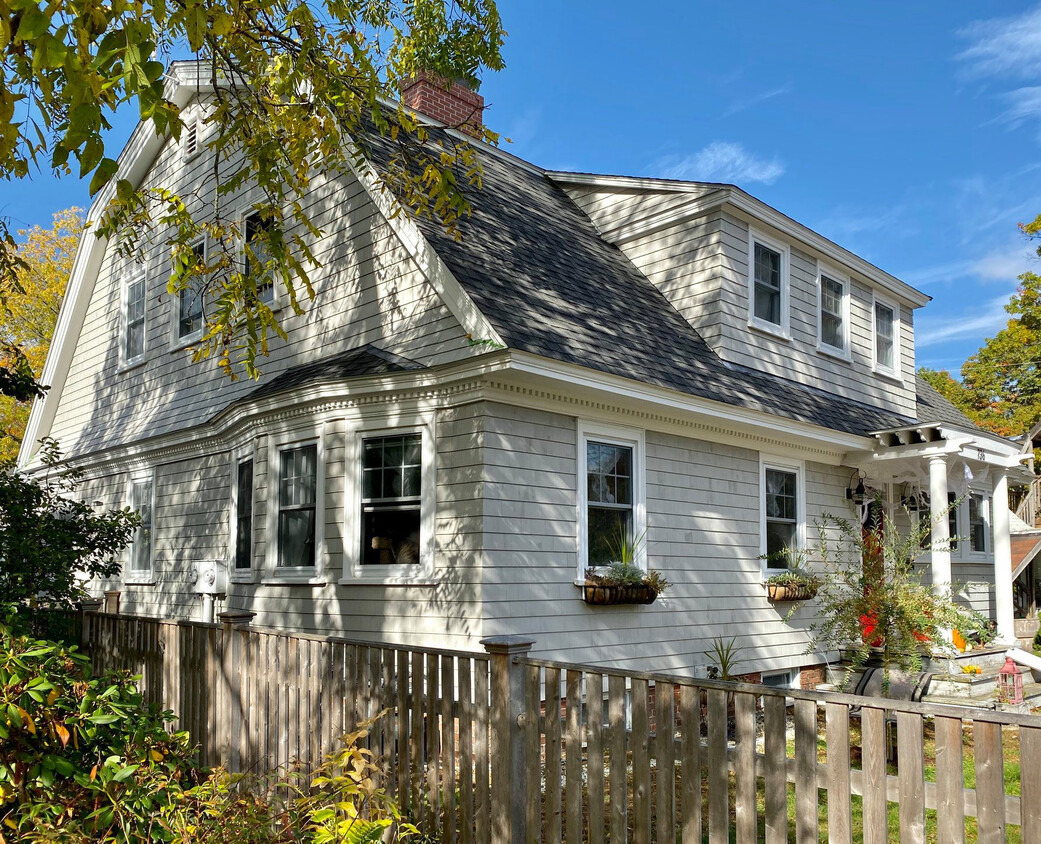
(858, 494)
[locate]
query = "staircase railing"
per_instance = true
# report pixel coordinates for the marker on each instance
(1030, 507)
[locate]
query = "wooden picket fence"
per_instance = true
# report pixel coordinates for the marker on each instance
(500, 747)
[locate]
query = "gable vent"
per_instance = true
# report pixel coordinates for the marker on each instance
(191, 138)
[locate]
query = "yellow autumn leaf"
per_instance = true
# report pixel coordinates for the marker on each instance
(27, 721)
(63, 733)
(156, 756)
(53, 696)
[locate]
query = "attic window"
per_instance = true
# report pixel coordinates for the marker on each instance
(768, 285)
(886, 338)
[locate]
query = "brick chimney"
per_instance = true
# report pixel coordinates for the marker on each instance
(451, 103)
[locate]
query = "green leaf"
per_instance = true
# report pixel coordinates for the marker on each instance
(32, 25)
(106, 170)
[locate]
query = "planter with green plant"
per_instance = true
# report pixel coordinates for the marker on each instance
(791, 581)
(622, 581)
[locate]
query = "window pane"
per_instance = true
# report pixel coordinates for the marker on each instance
(779, 535)
(392, 467)
(977, 523)
(390, 535)
(258, 256)
(190, 299)
(884, 320)
(767, 304)
(952, 519)
(297, 481)
(296, 537)
(606, 527)
(609, 470)
(782, 514)
(135, 346)
(832, 313)
(244, 516)
(141, 551)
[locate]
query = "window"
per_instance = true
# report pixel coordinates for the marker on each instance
(782, 511)
(612, 509)
(142, 501)
(780, 679)
(392, 474)
(190, 313)
(977, 522)
(833, 314)
(244, 515)
(256, 256)
(609, 489)
(297, 506)
(767, 282)
(134, 320)
(885, 338)
(952, 520)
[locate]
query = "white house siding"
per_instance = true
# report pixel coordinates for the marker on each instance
(192, 523)
(368, 291)
(703, 534)
(612, 207)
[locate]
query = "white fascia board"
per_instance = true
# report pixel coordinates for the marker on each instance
(133, 162)
(630, 182)
(626, 389)
(748, 206)
(447, 286)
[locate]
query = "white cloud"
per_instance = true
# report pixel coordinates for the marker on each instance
(1004, 46)
(722, 161)
(742, 105)
(1002, 265)
(1022, 105)
(983, 321)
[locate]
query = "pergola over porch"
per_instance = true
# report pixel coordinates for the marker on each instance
(939, 458)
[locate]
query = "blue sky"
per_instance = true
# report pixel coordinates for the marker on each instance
(907, 132)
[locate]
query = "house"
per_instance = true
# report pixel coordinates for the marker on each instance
(454, 430)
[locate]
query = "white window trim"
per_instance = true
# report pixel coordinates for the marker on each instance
(130, 275)
(140, 577)
(245, 211)
(769, 461)
(896, 372)
(178, 342)
(783, 330)
(824, 270)
(298, 575)
(354, 573)
(235, 575)
(791, 673)
(634, 438)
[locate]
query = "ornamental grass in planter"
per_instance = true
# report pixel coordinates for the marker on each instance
(623, 583)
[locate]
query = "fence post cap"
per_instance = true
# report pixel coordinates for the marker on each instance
(510, 645)
(236, 618)
(92, 604)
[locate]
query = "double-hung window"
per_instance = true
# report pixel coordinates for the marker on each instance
(134, 320)
(977, 522)
(141, 494)
(782, 513)
(768, 284)
(191, 314)
(243, 507)
(833, 314)
(297, 506)
(612, 505)
(886, 338)
(391, 501)
(953, 520)
(257, 256)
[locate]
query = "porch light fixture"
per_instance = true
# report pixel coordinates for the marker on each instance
(858, 494)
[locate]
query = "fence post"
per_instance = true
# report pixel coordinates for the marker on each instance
(88, 605)
(509, 723)
(236, 629)
(112, 602)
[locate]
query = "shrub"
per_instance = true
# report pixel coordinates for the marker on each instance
(81, 757)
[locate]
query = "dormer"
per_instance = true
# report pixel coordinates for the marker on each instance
(763, 291)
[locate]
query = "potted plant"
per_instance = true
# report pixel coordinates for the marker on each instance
(792, 585)
(622, 581)
(795, 582)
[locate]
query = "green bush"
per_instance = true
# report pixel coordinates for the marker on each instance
(81, 757)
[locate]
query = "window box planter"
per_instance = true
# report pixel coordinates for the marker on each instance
(781, 592)
(604, 595)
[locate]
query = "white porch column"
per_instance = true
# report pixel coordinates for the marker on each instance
(1003, 561)
(941, 534)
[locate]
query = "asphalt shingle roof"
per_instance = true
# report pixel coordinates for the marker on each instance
(363, 360)
(933, 407)
(536, 267)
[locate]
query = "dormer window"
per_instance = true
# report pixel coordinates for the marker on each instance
(833, 296)
(768, 285)
(886, 334)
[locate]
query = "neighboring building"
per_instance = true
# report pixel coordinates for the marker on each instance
(676, 360)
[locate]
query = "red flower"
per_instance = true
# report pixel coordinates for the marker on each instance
(868, 626)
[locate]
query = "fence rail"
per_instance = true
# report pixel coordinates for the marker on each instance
(500, 747)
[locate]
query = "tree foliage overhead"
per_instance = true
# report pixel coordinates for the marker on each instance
(28, 317)
(293, 81)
